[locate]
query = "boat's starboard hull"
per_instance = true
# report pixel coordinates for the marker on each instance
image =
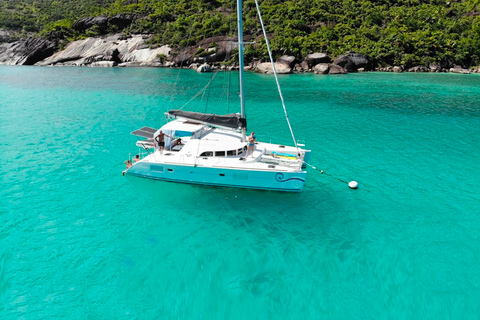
(224, 177)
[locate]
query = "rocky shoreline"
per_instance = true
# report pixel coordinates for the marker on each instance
(120, 50)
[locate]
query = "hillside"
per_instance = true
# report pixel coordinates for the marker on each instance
(389, 32)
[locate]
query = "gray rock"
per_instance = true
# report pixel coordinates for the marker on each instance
(321, 68)
(287, 60)
(435, 68)
(215, 50)
(397, 69)
(103, 64)
(26, 52)
(352, 61)
(316, 58)
(298, 68)
(7, 36)
(266, 67)
(114, 48)
(103, 23)
(204, 68)
(458, 69)
(304, 66)
(336, 69)
(418, 69)
(345, 62)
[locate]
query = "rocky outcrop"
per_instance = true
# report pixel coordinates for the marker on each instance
(321, 68)
(104, 23)
(212, 50)
(336, 69)
(204, 68)
(397, 69)
(458, 69)
(26, 52)
(120, 50)
(266, 67)
(328, 68)
(116, 49)
(352, 61)
(418, 69)
(315, 58)
(6, 36)
(287, 60)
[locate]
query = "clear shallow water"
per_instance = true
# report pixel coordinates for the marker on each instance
(79, 241)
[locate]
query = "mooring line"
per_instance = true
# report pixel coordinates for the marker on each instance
(351, 184)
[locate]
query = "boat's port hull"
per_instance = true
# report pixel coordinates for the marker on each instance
(291, 181)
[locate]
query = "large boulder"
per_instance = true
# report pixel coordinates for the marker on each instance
(26, 52)
(397, 69)
(266, 67)
(122, 20)
(204, 68)
(116, 22)
(459, 69)
(316, 58)
(321, 68)
(352, 61)
(287, 60)
(101, 22)
(336, 69)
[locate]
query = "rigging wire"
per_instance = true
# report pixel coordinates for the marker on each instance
(206, 90)
(275, 73)
(177, 80)
(201, 91)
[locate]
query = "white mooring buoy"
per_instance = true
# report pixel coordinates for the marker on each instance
(353, 184)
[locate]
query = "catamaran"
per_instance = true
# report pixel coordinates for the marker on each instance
(211, 149)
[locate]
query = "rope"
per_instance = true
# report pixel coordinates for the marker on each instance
(323, 172)
(275, 73)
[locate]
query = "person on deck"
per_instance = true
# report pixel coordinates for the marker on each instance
(160, 140)
(251, 143)
(177, 142)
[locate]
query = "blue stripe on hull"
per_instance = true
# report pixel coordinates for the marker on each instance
(263, 180)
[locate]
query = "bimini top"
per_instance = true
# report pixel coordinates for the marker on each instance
(145, 132)
(232, 120)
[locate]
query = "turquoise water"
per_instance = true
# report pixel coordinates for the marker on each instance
(79, 241)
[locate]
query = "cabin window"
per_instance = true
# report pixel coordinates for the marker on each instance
(220, 154)
(231, 152)
(207, 154)
(239, 151)
(181, 134)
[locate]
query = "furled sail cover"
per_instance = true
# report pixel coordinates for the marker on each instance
(232, 120)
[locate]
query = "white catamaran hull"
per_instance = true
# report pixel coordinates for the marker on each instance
(226, 177)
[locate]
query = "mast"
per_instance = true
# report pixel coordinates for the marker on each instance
(240, 65)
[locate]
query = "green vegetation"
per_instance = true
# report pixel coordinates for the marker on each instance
(389, 32)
